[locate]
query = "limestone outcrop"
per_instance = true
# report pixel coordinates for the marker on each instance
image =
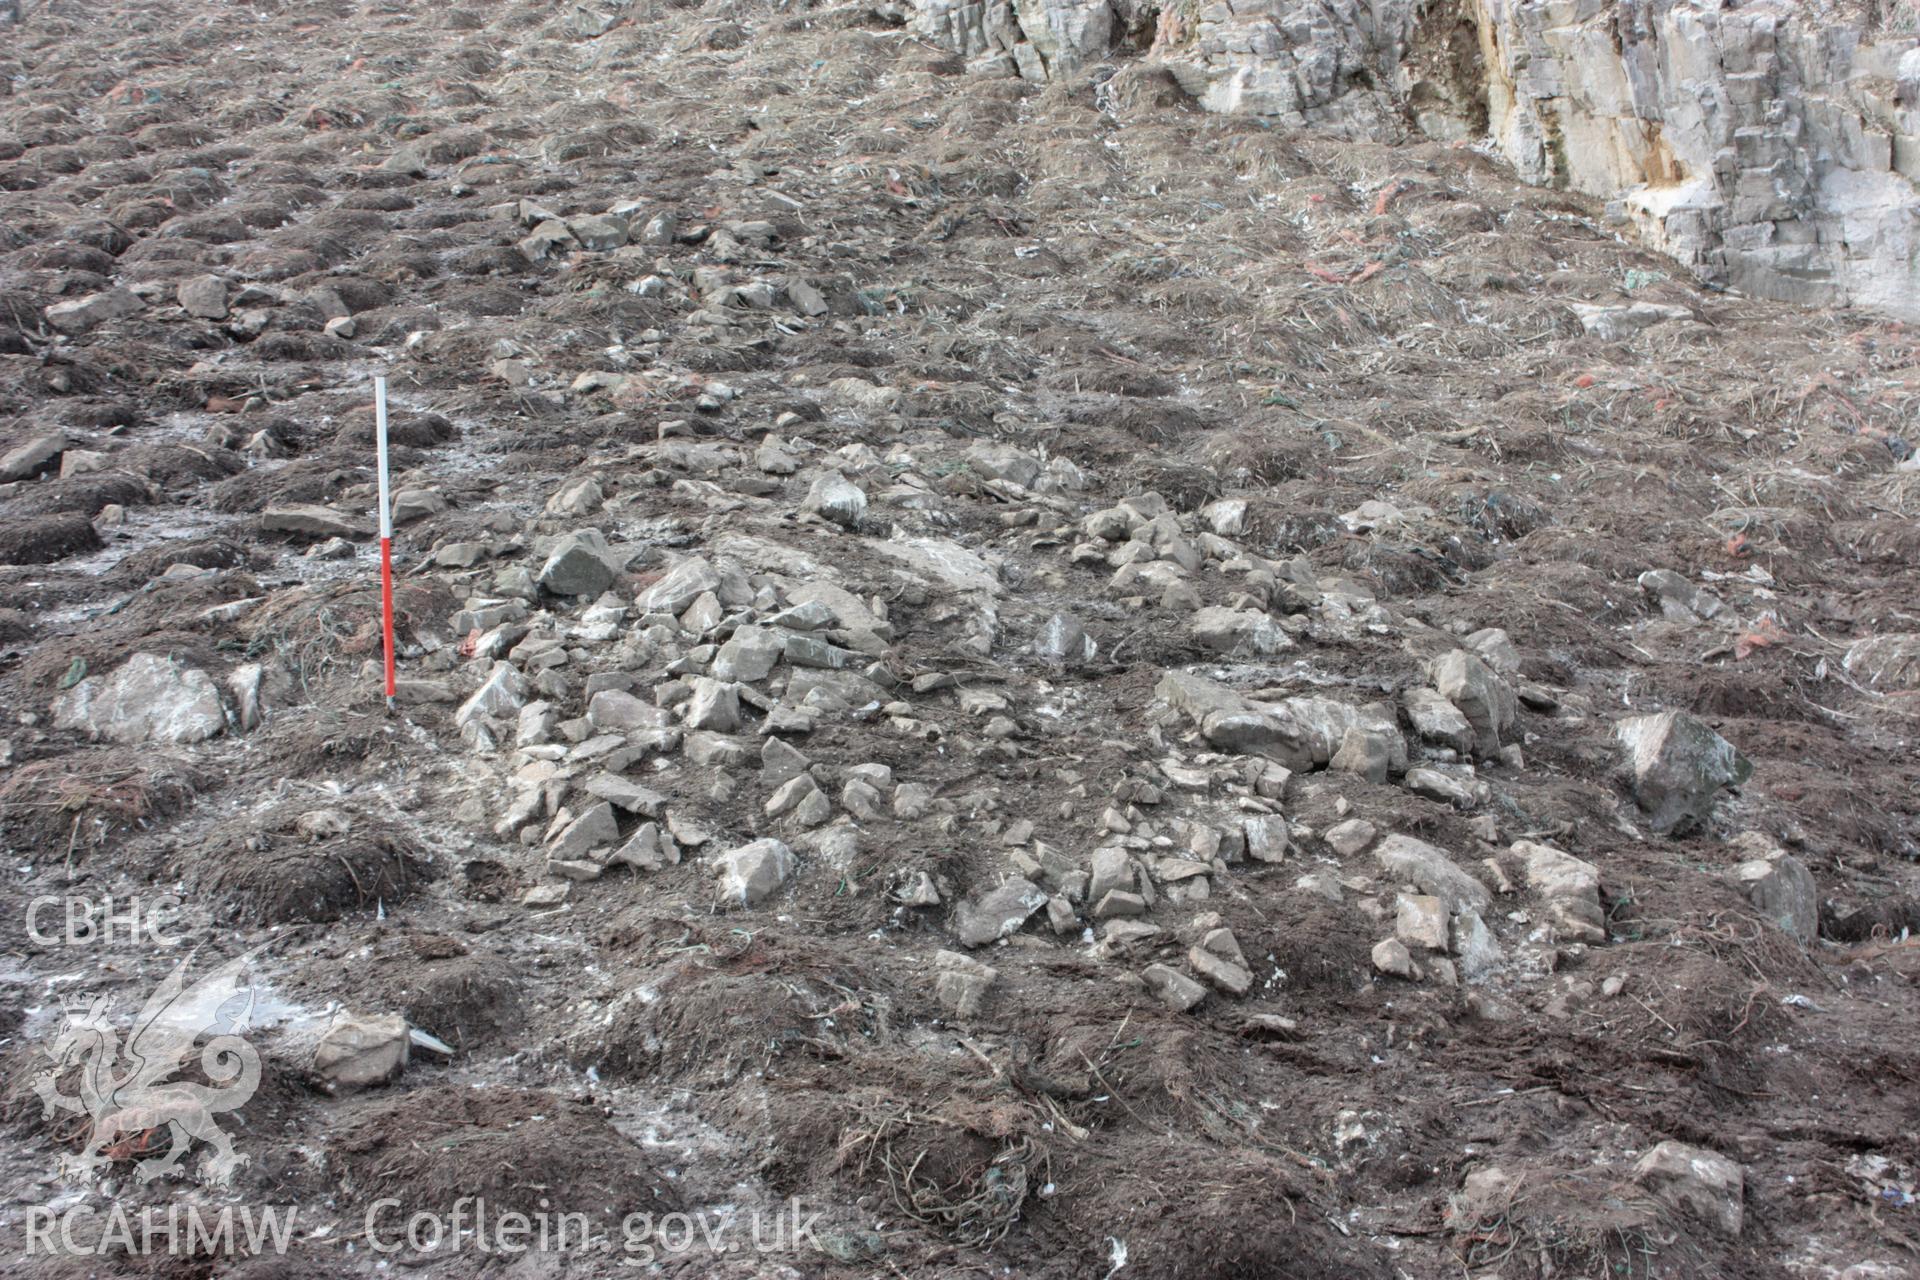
(1770, 147)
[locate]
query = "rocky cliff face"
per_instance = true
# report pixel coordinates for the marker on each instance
(1772, 148)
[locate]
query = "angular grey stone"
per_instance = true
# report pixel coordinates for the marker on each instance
(1268, 839)
(781, 762)
(593, 829)
(1473, 945)
(624, 793)
(536, 724)
(1495, 648)
(811, 651)
(1218, 959)
(836, 498)
(748, 655)
(482, 614)
(1364, 752)
(502, 693)
(715, 705)
(754, 872)
(1678, 598)
(358, 1052)
(1433, 871)
(1782, 889)
(1350, 837)
(36, 457)
(960, 982)
(1436, 784)
(76, 462)
(580, 564)
(1065, 640)
(1112, 868)
(313, 520)
(880, 775)
(679, 587)
(1679, 767)
(1298, 733)
(417, 504)
(598, 232)
(1434, 719)
(912, 800)
(862, 799)
(1226, 718)
(617, 711)
(790, 794)
(148, 698)
(661, 228)
(941, 561)
(817, 605)
(997, 913)
(581, 497)
(204, 297)
(1487, 701)
(817, 809)
(81, 314)
(647, 849)
(1004, 462)
(1239, 631)
(774, 458)
(1227, 516)
(716, 750)
(578, 870)
(806, 299)
(1571, 888)
(1172, 988)
(1391, 957)
(703, 615)
(550, 239)
(1421, 921)
(1698, 1181)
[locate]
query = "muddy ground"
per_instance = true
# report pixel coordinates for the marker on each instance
(996, 311)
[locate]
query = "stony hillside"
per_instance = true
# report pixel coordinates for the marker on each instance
(1090, 687)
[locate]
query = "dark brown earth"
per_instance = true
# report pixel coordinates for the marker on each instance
(1093, 272)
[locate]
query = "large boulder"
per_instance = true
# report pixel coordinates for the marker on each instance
(1679, 767)
(1702, 1183)
(998, 912)
(150, 698)
(1571, 888)
(36, 457)
(81, 314)
(1433, 871)
(1299, 733)
(1477, 691)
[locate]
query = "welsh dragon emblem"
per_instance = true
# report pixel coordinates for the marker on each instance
(126, 1091)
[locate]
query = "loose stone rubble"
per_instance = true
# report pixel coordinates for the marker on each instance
(958, 631)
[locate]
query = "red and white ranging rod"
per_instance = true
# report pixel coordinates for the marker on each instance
(386, 527)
